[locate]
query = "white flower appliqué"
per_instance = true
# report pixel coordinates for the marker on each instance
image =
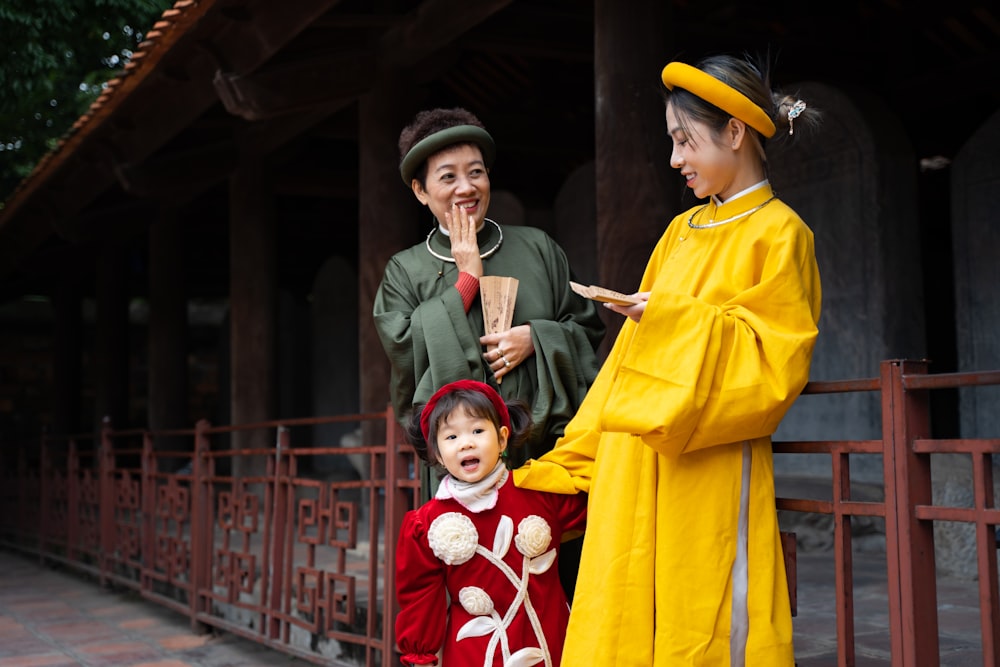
(453, 538)
(533, 536)
(476, 601)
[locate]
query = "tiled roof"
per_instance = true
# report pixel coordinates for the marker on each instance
(166, 32)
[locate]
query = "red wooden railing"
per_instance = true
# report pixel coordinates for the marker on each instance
(284, 556)
(908, 512)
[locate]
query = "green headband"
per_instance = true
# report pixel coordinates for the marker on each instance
(432, 143)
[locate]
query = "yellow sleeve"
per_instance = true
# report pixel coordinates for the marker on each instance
(568, 467)
(725, 362)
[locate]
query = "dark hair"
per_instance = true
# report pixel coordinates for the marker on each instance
(426, 123)
(475, 404)
(753, 80)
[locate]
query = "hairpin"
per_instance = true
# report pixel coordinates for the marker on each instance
(794, 113)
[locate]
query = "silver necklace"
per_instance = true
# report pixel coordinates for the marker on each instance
(716, 223)
(483, 255)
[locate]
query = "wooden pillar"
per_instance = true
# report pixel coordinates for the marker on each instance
(253, 309)
(389, 222)
(167, 335)
(636, 197)
(67, 358)
(111, 341)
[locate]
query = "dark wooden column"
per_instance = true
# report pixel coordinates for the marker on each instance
(636, 197)
(389, 221)
(167, 335)
(111, 340)
(67, 358)
(253, 308)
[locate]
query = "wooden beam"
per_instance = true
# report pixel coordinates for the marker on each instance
(435, 24)
(387, 222)
(320, 82)
(179, 176)
(334, 80)
(253, 310)
(631, 150)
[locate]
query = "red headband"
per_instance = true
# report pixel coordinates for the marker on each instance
(472, 385)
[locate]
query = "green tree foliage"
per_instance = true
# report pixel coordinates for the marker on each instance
(56, 54)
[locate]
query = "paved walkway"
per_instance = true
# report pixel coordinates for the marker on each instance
(56, 618)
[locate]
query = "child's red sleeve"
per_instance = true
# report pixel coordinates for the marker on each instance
(420, 590)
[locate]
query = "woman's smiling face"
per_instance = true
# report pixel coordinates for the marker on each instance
(708, 167)
(456, 175)
(469, 446)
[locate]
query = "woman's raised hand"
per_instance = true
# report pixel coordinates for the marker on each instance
(464, 244)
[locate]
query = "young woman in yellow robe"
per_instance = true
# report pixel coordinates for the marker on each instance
(682, 561)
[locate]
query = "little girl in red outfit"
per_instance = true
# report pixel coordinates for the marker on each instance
(476, 566)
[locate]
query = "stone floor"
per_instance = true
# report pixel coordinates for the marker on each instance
(55, 618)
(815, 625)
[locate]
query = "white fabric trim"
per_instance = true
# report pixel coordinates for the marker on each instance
(719, 202)
(740, 619)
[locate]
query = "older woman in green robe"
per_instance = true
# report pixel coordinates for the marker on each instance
(428, 311)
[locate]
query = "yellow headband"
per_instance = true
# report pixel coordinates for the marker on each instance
(710, 89)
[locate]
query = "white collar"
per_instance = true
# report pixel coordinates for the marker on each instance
(758, 186)
(474, 496)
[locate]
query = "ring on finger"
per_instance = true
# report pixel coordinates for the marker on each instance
(506, 363)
